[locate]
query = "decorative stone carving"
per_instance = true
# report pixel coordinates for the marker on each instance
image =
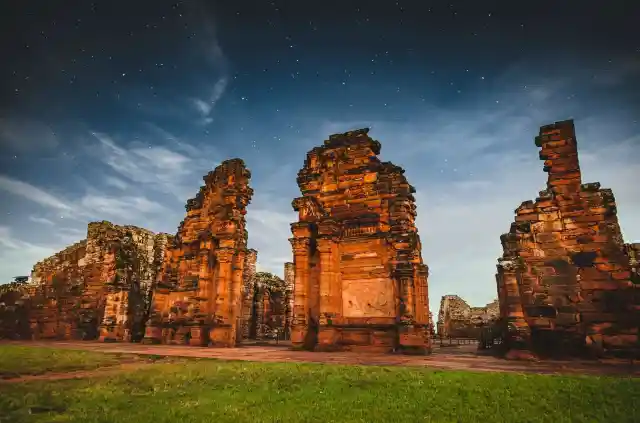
(359, 279)
(564, 280)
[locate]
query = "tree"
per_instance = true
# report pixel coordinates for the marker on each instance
(270, 282)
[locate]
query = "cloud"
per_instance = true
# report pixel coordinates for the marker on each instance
(18, 257)
(205, 107)
(41, 220)
(89, 207)
(157, 168)
(213, 55)
(26, 135)
(121, 207)
(115, 182)
(202, 106)
(32, 193)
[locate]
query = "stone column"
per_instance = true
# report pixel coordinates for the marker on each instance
(248, 273)
(235, 304)
(420, 272)
(197, 338)
(518, 336)
(299, 327)
(289, 276)
(327, 333)
(221, 334)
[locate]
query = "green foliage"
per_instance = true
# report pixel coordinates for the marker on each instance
(270, 282)
(208, 390)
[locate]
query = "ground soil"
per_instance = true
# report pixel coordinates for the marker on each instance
(462, 357)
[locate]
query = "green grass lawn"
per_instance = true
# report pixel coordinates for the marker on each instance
(17, 360)
(217, 391)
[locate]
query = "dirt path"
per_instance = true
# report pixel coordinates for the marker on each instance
(78, 374)
(463, 358)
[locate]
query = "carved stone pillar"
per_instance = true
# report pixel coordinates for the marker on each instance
(300, 327)
(327, 334)
(518, 332)
(222, 334)
(289, 276)
(236, 299)
(197, 335)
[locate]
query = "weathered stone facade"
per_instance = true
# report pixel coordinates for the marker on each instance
(360, 282)
(248, 292)
(289, 280)
(137, 259)
(564, 280)
(633, 251)
(457, 319)
(199, 294)
(270, 307)
(100, 284)
(14, 309)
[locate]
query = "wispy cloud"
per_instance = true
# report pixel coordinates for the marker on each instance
(41, 220)
(90, 206)
(121, 207)
(115, 182)
(214, 56)
(205, 107)
(33, 193)
(158, 168)
(18, 256)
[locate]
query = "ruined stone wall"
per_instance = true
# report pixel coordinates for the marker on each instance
(360, 282)
(199, 294)
(14, 310)
(136, 255)
(57, 306)
(564, 280)
(457, 319)
(268, 306)
(102, 279)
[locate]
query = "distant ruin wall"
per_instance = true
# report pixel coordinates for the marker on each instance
(457, 319)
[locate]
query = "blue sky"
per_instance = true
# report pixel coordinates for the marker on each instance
(117, 116)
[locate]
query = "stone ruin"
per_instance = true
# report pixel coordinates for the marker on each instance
(99, 286)
(14, 311)
(198, 298)
(633, 251)
(564, 280)
(102, 287)
(248, 293)
(360, 283)
(289, 280)
(457, 319)
(270, 307)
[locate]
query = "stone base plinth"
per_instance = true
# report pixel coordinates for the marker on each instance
(298, 335)
(198, 336)
(222, 336)
(152, 335)
(413, 340)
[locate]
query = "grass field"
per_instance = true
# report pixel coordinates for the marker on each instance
(218, 391)
(17, 360)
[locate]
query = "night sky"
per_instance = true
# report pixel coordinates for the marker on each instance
(113, 110)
